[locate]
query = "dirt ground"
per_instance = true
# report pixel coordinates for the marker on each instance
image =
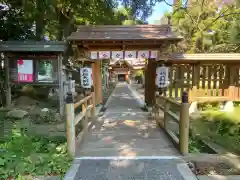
(212, 168)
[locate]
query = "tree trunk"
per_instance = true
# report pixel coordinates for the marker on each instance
(40, 20)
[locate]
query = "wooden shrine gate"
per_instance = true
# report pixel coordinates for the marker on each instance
(94, 44)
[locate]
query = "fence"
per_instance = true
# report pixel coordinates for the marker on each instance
(217, 81)
(88, 110)
(175, 120)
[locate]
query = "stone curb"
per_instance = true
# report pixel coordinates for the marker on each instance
(186, 172)
(72, 171)
(218, 177)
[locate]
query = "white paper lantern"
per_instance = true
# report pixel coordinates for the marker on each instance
(161, 80)
(86, 77)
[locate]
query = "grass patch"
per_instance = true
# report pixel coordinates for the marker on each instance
(23, 155)
(222, 128)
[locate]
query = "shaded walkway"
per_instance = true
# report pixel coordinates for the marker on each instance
(124, 130)
(125, 145)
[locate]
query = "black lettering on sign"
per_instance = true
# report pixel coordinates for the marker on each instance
(162, 73)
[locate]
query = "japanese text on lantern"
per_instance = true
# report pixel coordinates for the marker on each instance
(25, 70)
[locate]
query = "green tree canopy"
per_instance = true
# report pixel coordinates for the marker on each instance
(34, 19)
(207, 25)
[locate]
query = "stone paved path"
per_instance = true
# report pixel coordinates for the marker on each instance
(125, 145)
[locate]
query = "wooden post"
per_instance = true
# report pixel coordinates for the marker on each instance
(145, 84)
(71, 137)
(150, 86)
(61, 86)
(85, 122)
(195, 80)
(166, 109)
(98, 82)
(156, 112)
(232, 76)
(84, 107)
(93, 112)
(7, 82)
(89, 102)
(184, 125)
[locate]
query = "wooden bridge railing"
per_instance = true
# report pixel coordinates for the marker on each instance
(209, 80)
(88, 110)
(176, 112)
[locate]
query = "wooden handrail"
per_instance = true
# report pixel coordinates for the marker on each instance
(211, 99)
(168, 99)
(77, 104)
(88, 109)
(81, 115)
(174, 116)
(182, 120)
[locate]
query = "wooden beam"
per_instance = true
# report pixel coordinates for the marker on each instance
(123, 47)
(108, 43)
(200, 61)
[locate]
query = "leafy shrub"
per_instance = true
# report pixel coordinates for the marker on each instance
(22, 155)
(48, 117)
(224, 123)
(222, 128)
(194, 146)
(212, 106)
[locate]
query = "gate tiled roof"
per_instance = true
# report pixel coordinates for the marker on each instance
(124, 32)
(33, 46)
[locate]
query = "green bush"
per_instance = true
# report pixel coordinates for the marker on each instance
(222, 128)
(224, 123)
(194, 146)
(207, 106)
(22, 155)
(48, 117)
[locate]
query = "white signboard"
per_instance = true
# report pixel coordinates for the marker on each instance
(153, 54)
(143, 54)
(94, 55)
(104, 54)
(130, 55)
(117, 54)
(86, 77)
(161, 80)
(25, 70)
